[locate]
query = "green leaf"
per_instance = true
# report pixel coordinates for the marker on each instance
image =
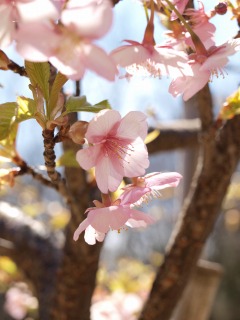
(58, 83)
(103, 104)
(26, 109)
(76, 104)
(39, 74)
(8, 145)
(7, 114)
(68, 159)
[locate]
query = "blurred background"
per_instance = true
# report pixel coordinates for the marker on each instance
(129, 259)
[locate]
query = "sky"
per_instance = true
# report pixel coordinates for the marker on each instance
(138, 94)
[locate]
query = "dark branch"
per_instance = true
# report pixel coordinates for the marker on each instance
(13, 66)
(177, 135)
(197, 219)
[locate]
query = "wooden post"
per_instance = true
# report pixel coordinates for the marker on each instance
(198, 297)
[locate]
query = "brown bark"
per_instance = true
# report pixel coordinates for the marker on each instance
(199, 213)
(179, 134)
(77, 272)
(34, 249)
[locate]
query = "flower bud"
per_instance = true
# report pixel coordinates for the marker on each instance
(4, 61)
(221, 8)
(77, 132)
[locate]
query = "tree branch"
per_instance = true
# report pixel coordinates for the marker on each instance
(176, 135)
(197, 219)
(77, 273)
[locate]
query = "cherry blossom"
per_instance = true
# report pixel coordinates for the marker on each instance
(116, 148)
(116, 216)
(201, 68)
(149, 60)
(145, 188)
(81, 23)
(199, 22)
(13, 13)
(180, 5)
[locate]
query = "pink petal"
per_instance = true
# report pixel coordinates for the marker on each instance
(162, 180)
(189, 85)
(98, 61)
(7, 26)
(73, 68)
(101, 125)
(130, 54)
(89, 18)
(220, 57)
(83, 225)
(37, 10)
(139, 219)
(137, 161)
(133, 194)
(113, 217)
(87, 158)
(91, 235)
(32, 42)
(133, 125)
(109, 174)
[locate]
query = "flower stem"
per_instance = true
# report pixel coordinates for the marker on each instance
(148, 36)
(200, 48)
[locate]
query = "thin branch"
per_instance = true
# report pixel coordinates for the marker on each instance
(13, 66)
(26, 169)
(49, 157)
(176, 135)
(197, 220)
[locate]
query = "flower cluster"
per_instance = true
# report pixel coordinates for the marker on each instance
(63, 33)
(116, 149)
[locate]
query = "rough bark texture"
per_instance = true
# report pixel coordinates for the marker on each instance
(198, 216)
(77, 272)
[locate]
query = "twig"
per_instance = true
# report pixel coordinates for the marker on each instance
(13, 66)
(49, 157)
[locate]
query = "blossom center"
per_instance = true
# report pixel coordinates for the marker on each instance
(117, 148)
(145, 69)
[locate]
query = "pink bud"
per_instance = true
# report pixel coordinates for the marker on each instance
(77, 132)
(221, 8)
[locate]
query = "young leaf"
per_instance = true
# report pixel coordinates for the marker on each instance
(58, 83)
(26, 109)
(8, 145)
(104, 104)
(75, 104)
(39, 74)
(7, 113)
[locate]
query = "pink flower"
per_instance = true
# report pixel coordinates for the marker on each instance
(145, 188)
(200, 24)
(200, 69)
(180, 5)
(116, 216)
(148, 60)
(116, 148)
(13, 13)
(68, 46)
(89, 18)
